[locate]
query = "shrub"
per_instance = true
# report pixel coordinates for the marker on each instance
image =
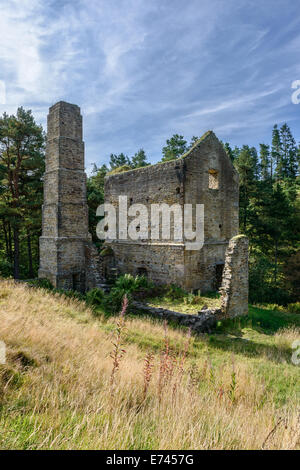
(131, 283)
(294, 308)
(113, 301)
(6, 268)
(274, 307)
(72, 294)
(192, 299)
(175, 293)
(126, 282)
(107, 251)
(291, 272)
(277, 295)
(142, 282)
(126, 285)
(119, 169)
(95, 297)
(261, 284)
(152, 292)
(41, 283)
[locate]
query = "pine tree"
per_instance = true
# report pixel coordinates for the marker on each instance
(276, 160)
(176, 146)
(288, 161)
(95, 196)
(116, 161)
(278, 216)
(265, 163)
(229, 151)
(256, 168)
(194, 139)
(139, 159)
(236, 152)
(246, 164)
(22, 164)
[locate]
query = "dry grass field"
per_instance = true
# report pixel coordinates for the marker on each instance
(76, 381)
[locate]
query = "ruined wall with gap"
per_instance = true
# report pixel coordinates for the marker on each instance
(234, 290)
(205, 175)
(205, 161)
(187, 180)
(162, 260)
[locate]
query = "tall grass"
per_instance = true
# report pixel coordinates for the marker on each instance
(118, 350)
(60, 396)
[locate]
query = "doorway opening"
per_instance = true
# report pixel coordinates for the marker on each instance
(142, 272)
(76, 284)
(218, 275)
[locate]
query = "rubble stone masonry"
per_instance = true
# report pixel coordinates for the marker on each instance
(65, 238)
(234, 290)
(205, 175)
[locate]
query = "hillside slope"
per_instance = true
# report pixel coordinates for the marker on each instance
(236, 389)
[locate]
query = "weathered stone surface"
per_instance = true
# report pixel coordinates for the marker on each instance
(205, 175)
(67, 257)
(93, 267)
(234, 290)
(210, 311)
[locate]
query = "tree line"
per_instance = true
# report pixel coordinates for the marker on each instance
(22, 165)
(269, 201)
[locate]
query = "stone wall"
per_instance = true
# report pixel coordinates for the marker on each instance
(162, 260)
(201, 323)
(205, 175)
(93, 266)
(221, 210)
(234, 290)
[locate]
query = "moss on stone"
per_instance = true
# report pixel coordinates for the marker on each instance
(120, 169)
(205, 135)
(107, 251)
(241, 235)
(125, 168)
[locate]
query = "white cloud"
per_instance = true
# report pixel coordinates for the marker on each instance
(143, 70)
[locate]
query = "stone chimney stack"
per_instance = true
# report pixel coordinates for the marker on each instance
(65, 213)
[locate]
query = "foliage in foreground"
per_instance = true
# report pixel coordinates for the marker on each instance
(140, 288)
(125, 285)
(229, 390)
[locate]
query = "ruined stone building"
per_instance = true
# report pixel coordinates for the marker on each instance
(204, 175)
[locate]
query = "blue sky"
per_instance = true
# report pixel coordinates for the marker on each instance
(142, 70)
